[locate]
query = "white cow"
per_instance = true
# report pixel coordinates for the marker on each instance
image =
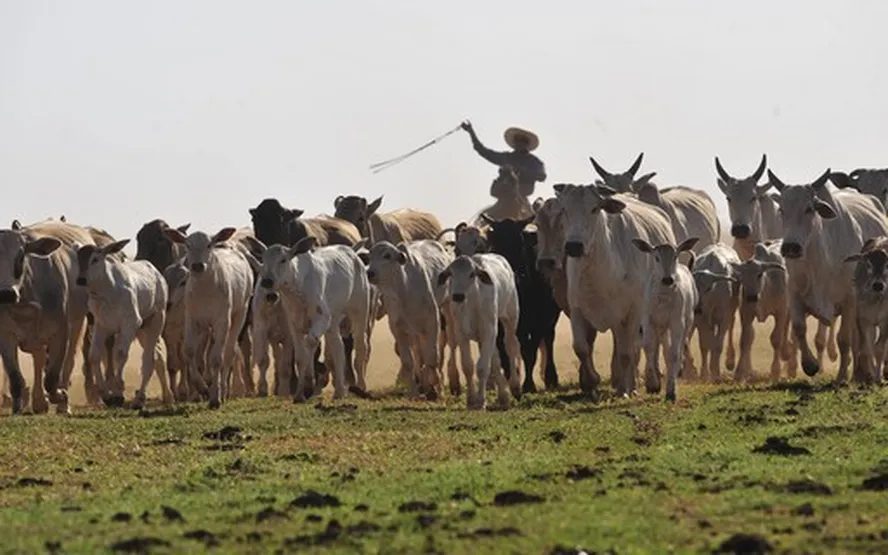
(217, 298)
(319, 288)
(406, 276)
(482, 290)
(607, 275)
(128, 301)
(763, 290)
(270, 330)
(668, 318)
(716, 309)
(822, 229)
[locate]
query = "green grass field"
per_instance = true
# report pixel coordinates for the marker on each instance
(802, 466)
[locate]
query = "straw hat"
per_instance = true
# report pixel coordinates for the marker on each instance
(514, 133)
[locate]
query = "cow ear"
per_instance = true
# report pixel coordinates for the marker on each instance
(402, 257)
(559, 188)
(293, 213)
(16, 225)
(604, 191)
(337, 201)
(256, 247)
(687, 244)
(184, 228)
(612, 205)
(824, 210)
(174, 235)
(642, 245)
(115, 247)
(840, 179)
(691, 260)
(254, 262)
(854, 257)
(44, 246)
(444, 276)
(487, 219)
(362, 244)
(253, 212)
(722, 185)
(224, 234)
(364, 256)
(374, 206)
(484, 276)
(306, 244)
(526, 221)
(537, 204)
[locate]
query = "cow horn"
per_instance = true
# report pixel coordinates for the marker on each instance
(821, 181)
(598, 169)
(337, 201)
(487, 218)
(636, 165)
(444, 232)
(721, 171)
(775, 181)
(460, 226)
(761, 169)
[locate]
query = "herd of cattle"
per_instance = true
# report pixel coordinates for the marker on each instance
(619, 255)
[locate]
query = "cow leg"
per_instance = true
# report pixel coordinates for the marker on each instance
(304, 351)
(486, 348)
(57, 352)
(348, 344)
(260, 354)
(361, 347)
(91, 390)
(502, 384)
(582, 347)
(629, 353)
(810, 365)
(216, 360)
(149, 338)
(845, 338)
(677, 344)
(73, 340)
(468, 368)
(123, 340)
(407, 374)
(505, 364)
(880, 352)
(18, 389)
(651, 346)
(730, 355)
(513, 350)
(530, 344)
(245, 343)
(551, 377)
(703, 341)
(427, 351)
(866, 353)
(747, 336)
(39, 402)
(777, 339)
(820, 342)
(831, 342)
(335, 346)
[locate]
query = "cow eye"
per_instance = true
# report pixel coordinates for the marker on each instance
(387, 256)
(282, 262)
(752, 200)
(809, 210)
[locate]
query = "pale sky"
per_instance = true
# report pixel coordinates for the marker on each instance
(116, 112)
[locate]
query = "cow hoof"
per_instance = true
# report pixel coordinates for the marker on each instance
(39, 406)
(431, 395)
(455, 391)
(670, 397)
(214, 404)
(810, 367)
(552, 384)
(113, 401)
(529, 387)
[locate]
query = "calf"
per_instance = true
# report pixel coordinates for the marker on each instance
(870, 181)
(715, 313)
(870, 279)
(539, 312)
(217, 297)
(764, 293)
(270, 329)
(176, 277)
(128, 301)
(406, 278)
(482, 290)
(468, 239)
(320, 288)
(668, 315)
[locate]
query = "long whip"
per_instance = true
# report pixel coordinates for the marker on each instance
(386, 164)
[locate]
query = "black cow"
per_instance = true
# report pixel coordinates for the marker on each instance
(153, 245)
(539, 311)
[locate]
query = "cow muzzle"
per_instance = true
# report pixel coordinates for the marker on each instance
(267, 283)
(458, 297)
(791, 250)
(81, 281)
(740, 231)
(878, 286)
(573, 249)
(272, 297)
(371, 276)
(9, 296)
(199, 267)
(668, 281)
